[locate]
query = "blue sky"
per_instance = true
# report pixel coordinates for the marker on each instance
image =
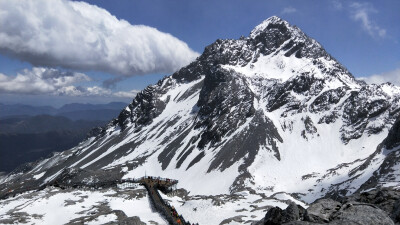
(362, 35)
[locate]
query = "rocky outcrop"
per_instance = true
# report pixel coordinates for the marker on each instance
(277, 216)
(215, 102)
(393, 138)
(322, 210)
(373, 207)
(386, 199)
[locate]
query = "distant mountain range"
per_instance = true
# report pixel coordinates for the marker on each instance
(73, 111)
(45, 123)
(28, 133)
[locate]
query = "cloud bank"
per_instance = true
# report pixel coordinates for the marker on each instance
(54, 82)
(77, 35)
(391, 76)
(39, 81)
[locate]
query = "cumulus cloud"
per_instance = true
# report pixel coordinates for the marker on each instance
(289, 10)
(54, 82)
(391, 76)
(39, 81)
(77, 35)
(76, 91)
(126, 94)
(361, 12)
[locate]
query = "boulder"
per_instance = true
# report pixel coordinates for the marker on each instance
(278, 216)
(291, 213)
(322, 210)
(361, 213)
(396, 212)
(273, 216)
(375, 207)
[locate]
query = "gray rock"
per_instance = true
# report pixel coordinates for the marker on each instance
(379, 206)
(131, 221)
(396, 212)
(291, 213)
(273, 216)
(322, 210)
(386, 199)
(360, 213)
(393, 138)
(301, 223)
(278, 216)
(237, 219)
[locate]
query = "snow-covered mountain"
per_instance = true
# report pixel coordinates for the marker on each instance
(266, 114)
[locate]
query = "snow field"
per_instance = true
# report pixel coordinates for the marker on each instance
(52, 206)
(215, 209)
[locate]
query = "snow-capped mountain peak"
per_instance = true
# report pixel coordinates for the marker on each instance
(271, 21)
(272, 112)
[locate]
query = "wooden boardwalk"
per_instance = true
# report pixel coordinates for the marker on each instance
(152, 185)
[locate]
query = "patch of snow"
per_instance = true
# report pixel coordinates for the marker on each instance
(37, 176)
(53, 206)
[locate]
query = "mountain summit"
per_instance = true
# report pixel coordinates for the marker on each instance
(271, 112)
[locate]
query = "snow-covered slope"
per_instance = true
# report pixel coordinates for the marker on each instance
(55, 206)
(269, 113)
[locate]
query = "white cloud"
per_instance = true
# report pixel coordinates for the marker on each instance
(289, 10)
(39, 81)
(391, 76)
(77, 35)
(54, 82)
(361, 12)
(126, 94)
(77, 91)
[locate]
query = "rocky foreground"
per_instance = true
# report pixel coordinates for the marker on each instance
(378, 206)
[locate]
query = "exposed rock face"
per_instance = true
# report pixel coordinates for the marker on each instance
(373, 207)
(273, 216)
(322, 210)
(393, 138)
(216, 102)
(396, 212)
(356, 213)
(276, 215)
(145, 106)
(386, 199)
(78, 176)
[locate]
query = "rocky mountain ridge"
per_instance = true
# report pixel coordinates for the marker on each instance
(269, 113)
